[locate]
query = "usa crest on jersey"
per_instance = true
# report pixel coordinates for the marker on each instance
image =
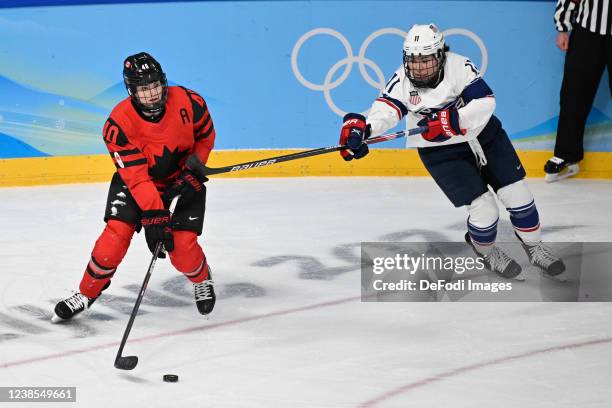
(414, 98)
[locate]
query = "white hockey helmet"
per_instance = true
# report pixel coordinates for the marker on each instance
(424, 55)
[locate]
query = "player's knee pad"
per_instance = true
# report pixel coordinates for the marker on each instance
(515, 195)
(188, 256)
(482, 219)
(519, 202)
(113, 244)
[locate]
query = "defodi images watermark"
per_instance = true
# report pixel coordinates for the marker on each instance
(451, 271)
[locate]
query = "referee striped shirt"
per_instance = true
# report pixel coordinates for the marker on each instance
(592, 15)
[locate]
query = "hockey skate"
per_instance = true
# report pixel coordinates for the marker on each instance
(558, 169)
(544, 258)
(499, 262)
(204, 293)
(73, 305)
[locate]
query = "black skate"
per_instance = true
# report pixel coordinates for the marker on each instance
(499, 262)
(75, 304)
(204, 293)
(544, 258)
(558, 169)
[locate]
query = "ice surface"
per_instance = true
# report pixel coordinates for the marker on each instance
(289, 329)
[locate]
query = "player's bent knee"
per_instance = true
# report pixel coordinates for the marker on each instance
(483, 211)
(113, 243)
(187, 255)
(515, 195)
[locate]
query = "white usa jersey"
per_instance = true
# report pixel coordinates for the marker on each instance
(462, 87)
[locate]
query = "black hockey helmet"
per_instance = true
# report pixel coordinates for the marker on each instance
(142, 70)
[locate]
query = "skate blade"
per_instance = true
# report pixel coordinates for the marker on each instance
(520, 277)
(561, 278)
(569, 171)
(56, 319)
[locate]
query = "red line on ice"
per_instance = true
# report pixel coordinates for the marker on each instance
(179, 332)
(472, 367)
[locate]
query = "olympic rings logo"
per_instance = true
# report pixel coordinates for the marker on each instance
(362, 61)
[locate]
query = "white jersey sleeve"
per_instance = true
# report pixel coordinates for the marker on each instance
(462, 88)
(476, 97)
(388, 109)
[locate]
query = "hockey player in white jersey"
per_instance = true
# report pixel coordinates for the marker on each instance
(465, 149)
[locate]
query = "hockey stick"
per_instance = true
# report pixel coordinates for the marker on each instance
(207, 171)
(129, 362)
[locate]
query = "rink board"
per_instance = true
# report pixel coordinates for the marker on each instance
(380, 162)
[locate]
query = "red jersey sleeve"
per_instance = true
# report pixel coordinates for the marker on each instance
(203, 129)
(132, 166)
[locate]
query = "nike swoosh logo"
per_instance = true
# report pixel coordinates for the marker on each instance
(193, 218)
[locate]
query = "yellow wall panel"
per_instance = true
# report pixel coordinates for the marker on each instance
(380, 162)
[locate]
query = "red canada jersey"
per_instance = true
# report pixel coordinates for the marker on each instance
(149, 155)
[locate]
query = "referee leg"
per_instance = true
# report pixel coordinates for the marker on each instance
(584, 65)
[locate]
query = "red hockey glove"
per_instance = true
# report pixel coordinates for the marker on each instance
(354, 132)
(156, 224)
(442, 125)
(188, 185)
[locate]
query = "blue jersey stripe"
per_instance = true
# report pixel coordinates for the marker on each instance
(476, 90)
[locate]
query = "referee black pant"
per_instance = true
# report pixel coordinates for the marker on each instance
(587, 57)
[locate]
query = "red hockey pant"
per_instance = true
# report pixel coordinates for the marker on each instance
(112, 245)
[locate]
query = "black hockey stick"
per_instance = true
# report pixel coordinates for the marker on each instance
(130, 362)
(207, 171)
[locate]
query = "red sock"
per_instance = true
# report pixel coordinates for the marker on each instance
(188, 256)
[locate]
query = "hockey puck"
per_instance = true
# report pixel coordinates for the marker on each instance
(170, 378)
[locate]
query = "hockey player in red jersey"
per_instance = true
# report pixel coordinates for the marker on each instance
(149, 136)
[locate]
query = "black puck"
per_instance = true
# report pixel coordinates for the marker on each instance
(170, 378)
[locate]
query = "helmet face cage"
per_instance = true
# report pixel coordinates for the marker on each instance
(424, 55)
(146, 83)
(425, 71)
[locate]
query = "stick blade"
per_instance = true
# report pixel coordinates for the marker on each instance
(126, 363)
